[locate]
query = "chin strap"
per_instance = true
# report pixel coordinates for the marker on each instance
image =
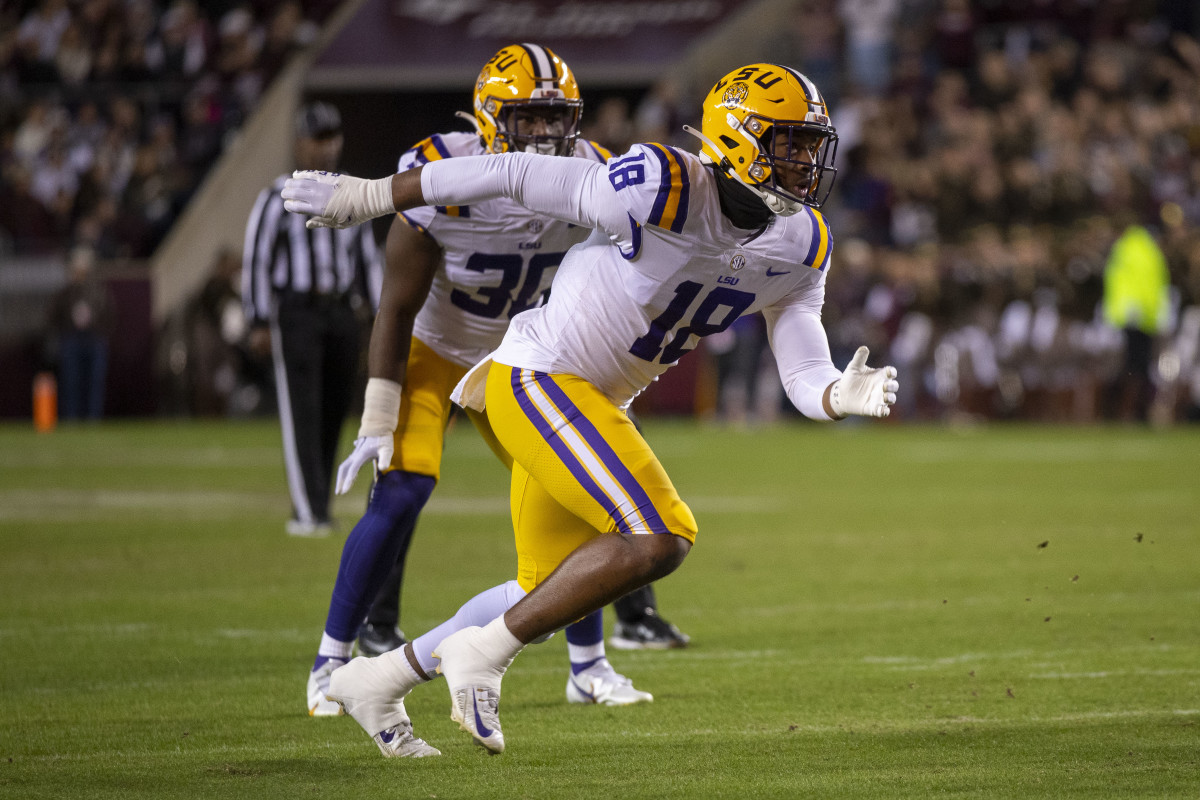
(778, 205)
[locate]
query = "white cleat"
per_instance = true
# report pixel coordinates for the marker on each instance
(399, 741)
(474, 683)
(603, 685)
(319, 704)
(372, 691)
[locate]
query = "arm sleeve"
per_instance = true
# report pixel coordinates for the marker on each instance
(568, 189)
(801, 351)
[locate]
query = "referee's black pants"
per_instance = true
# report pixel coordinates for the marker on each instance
(315, 343)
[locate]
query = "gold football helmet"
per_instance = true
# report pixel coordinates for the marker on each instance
(527, 100)
(768, 127)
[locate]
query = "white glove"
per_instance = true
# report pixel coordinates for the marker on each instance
(862, 390)
(337, 201)
(366, 448)
(375, 442)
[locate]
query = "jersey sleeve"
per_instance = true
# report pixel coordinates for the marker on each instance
(567, 189)
(651, 181)
(794, 328)
(801, 351)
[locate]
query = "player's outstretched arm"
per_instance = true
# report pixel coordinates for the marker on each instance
(813, 383)
(569, 189)
(334, 200)
(862, 390)
(411, 260)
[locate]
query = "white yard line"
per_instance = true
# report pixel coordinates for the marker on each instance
(66, 504)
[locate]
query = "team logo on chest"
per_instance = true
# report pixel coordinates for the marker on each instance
(737, 262)
(536, 226)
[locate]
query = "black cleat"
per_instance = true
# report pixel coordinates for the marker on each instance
(375, 640)
(650, 632)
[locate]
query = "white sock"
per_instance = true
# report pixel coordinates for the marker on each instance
(332, 648)
(397, 664)
(585, 653)
(496, 643)
(407, 666)
(479, 610)
(497, 639)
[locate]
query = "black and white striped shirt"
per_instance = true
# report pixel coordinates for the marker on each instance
(282, 255)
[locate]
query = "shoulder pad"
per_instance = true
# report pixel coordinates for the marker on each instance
(586, 148)
(652, 182)
(437, 147)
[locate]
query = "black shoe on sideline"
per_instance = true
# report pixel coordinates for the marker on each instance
(375, 640)
(651, 632)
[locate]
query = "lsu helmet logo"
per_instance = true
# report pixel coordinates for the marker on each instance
(735, 95)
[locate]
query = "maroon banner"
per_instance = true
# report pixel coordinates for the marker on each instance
(437, 44)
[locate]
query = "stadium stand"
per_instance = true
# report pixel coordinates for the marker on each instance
(991, 153)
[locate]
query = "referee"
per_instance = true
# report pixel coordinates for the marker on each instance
(302, 291)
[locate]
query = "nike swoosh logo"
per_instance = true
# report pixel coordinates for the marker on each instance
(773, 274)
(387, 736)
(484, 731)
(585, 692)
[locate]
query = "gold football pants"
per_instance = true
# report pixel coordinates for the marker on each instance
(581, 469)
(425, 409)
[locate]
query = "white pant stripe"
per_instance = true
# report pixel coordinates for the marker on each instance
(582, 451)
(291, 459)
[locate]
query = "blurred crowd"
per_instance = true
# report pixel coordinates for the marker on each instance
(990, 155)
(111, 111)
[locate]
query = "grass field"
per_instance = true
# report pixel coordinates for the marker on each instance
(876, 611)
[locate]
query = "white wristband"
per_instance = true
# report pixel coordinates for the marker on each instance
(835, 400)
(381, 408)
(379, 198)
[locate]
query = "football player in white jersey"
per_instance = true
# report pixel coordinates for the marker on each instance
(455, 277)
(683, 245)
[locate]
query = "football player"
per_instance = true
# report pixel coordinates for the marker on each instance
(683, 246)
(455, 277)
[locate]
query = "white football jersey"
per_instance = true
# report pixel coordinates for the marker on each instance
(664, 269)
(499, 258)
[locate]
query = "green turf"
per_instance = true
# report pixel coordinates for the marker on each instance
(877, 611)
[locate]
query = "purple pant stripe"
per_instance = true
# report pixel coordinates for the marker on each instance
(564, 453)
(602, 449)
